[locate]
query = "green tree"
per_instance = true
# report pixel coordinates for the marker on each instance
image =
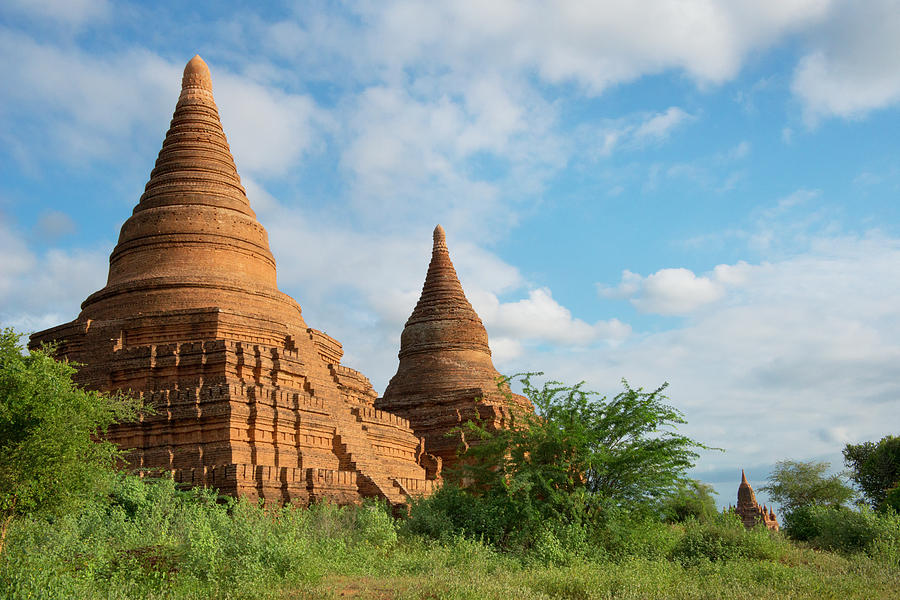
(692, 499)
(874, 467)
(580, 450)
(51, 456)
(793, 484)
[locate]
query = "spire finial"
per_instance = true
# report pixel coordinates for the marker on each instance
(439, 238)
(743, 477)
(196, 75)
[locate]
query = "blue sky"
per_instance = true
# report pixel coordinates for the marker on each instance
(696, 192)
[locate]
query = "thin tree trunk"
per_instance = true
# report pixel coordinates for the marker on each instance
(5, 526)
(3, 529)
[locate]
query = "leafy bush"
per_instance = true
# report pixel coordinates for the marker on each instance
(580, 450)
(846, 530)
(150, 539)
(621, 535)
(726, 538)
(892, 499)
(802, 523)
(451, 511)
(51, 460)
(691, 500)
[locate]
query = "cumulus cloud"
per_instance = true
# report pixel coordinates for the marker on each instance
(853, 65)
(66, 101)
(676, 291)
(540, 318)
(593, 45)
(268, 130)
(419, 157)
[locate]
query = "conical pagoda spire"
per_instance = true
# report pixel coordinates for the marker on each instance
(195, 163)
(192, 240)
(745, 492)
(443, 318)
(446, 375)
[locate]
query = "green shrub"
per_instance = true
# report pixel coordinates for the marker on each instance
(621, 535)
(51, 459)
(892, 499)
(848, 531)
(691, 499)
(803, 523)
(451, 511)
(726, 538)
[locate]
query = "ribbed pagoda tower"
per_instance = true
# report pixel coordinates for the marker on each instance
(247, 398)
(446, 376)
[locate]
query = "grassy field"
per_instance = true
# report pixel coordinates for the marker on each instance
(153, 542)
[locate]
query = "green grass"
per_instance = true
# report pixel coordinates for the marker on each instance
(153, 542)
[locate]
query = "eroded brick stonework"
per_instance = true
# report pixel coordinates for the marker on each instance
(248, 398)
(446, 375)
(749, 510)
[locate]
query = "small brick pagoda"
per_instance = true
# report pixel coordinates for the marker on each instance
(247, 398)
(446, 376)
(749, 510)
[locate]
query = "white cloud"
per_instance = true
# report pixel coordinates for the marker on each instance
(39, 290)
(267, 129)
(676, 291)
(659, 126)
(65, 101)
(592, 44)
(853, 66)
(416, 158)
(69, 12)
(634, 131)
(86, 107)
(540, 318)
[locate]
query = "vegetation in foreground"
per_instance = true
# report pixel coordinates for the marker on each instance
(588, 501)
(152, 541)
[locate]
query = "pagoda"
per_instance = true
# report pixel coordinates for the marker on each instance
(446, 376)
(749, 510)
(245, 396)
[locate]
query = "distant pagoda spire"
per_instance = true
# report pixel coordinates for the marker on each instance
(745, 492)
(749, 510)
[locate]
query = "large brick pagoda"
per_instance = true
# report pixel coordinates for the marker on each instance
(446, 376)
(247, 397)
